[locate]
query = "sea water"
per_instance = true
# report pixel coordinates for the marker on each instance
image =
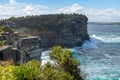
(99, 57)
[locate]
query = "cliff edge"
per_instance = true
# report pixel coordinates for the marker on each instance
(66, 30)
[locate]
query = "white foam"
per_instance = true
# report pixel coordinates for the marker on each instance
(92, 43)
(45, 57)
(94, 40)
(108, 38)
(44, 53)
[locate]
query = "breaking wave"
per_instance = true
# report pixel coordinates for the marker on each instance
(92, 43)
(94, 40)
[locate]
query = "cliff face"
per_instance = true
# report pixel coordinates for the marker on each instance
(67, 30)
(66, 35)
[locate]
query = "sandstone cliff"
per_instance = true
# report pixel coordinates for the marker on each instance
(67, 30)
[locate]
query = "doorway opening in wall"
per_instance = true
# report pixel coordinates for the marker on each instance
(1, 56)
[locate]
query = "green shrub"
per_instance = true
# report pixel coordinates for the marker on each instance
(33, 70)
(6, 72)
(1, 43)
(63, 59)
(28, 71)
(64, 68)
(5, 29)
(51, 72)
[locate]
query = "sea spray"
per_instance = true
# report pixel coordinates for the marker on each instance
(94, 40)
(45, 57)
(92, 43)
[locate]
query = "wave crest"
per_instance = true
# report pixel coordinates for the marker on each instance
(94, 40)
(92, 43)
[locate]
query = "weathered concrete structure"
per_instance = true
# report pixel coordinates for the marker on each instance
(6, 53)
(9, 38)
(28, 43)
(29, 48)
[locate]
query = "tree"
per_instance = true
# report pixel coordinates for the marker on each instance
(52, 72)
(63, 59)
(33, 70)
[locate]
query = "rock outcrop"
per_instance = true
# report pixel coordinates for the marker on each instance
(67, 30)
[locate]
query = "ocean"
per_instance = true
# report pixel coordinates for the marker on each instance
(99, 57)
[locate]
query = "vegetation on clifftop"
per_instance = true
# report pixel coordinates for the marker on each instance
(44, 21)
(64, 68)
(5, 29)
(1, 43)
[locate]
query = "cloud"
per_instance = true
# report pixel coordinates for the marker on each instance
(13, 8)
(16, 9)
(71, 9)
(34, 9)
(94, 15)
(12, 2)
(29, 8)
(101, 15)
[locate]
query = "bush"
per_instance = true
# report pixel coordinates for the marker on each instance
(1, 43)
(6, 72)
(51, 72)
(33, 70)
(29, 71)
(63, 59)
(65, 68)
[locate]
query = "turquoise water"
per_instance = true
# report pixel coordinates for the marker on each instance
(100, 58)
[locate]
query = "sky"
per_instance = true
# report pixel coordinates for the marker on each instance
(95, 10)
